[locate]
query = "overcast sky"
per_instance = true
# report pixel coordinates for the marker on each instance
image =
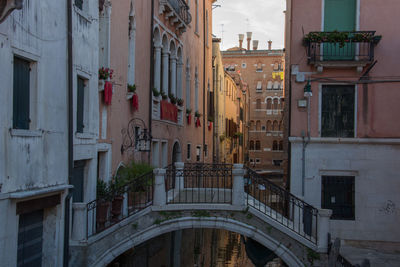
(265, 18)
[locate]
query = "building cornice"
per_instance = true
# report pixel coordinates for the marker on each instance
(361, 141)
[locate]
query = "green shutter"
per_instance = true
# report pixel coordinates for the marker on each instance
(80, 105)
(21, 94)
(339, 15)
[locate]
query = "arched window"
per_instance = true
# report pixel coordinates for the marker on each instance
(172, 69)
(157, 59)
(258, 145)
(258, 125)
(276, 66)
(251, 125)
(275, 103)
(275, 145)
(282, 103)
(269, 103)
(275, 126)
(280, 148)
(165, 65)
(269, 126)
(281, 126)
(196, 90)
(269, 85)
(251, 145)
(179, 73)
(258, 104)
(188, 83)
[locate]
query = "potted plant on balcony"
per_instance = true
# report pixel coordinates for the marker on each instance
(210, 122)
(117, 185)
(105, 74)
(137, 183)
(197, 116)
(135, 99)
(180, 101)
(102, 204)
(188, 116)
(156, 93)
(163, 95)
(172, 98)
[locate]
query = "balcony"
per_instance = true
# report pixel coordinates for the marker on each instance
(341, 49)
(177, 12)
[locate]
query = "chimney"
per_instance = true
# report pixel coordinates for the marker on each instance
(255, 44)
(241, 38)
(249, 39)
(269, 45)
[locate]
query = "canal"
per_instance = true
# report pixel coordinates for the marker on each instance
(198, 248)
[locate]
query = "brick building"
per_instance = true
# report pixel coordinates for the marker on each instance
(262, 70)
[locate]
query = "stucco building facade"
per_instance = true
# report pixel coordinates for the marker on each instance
(344, 142)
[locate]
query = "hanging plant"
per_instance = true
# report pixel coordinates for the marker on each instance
(105, 73)
(131, 88)
(156, 93)
(172, 98)
(197, 114)
(180, 102)
(164, 96)
(188, 111)
(340, 38)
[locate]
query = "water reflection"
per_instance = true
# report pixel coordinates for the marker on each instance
(197, 248)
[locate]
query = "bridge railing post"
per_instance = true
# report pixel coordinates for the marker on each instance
(238, 198)
(323, 229)
(179, 177)
(160, 197)
(79, 221)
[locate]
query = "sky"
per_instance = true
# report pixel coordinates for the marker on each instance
(265, 18)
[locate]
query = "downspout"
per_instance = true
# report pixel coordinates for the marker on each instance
(215, 90)
(70, 133)
(151, 83)
(204, 76)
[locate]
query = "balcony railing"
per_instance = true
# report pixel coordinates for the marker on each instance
(182, 9)
(340, 47)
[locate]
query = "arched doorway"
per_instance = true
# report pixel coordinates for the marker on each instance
(176, 153)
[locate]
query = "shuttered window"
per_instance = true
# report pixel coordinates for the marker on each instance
(337, 111)
(30, 239)
(21, 91)
(80, 105)
(77, 180)
(259, 85)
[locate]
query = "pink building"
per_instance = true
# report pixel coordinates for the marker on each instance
(344, 137)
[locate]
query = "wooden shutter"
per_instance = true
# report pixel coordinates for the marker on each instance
(21, 93)
(80, 105)
(30, 239)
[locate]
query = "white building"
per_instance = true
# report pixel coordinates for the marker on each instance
(33, 133)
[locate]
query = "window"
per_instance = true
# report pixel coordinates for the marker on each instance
(251, 125)
(337, 118)
(263, 128)
(197, 16)
(277, 162)
(77, 180)
(276, 66)
(276, 85)
(188, 151)
(205, 150)
(281, 126)
(258, 145)
(79, 4)
(259, 86)
(21, 94)
(275, 126)
(258, 161)
(280, 147)
(276, 103)
(196, 90)
(269, 103)
(259, 67)
(207, 38)
(198, 153)
(258, 104)
(338, 195)
(244, 65)
(156, 154)
(251, 145)
(30, 239)
(80, 108)
(269, 125)
(274, 145)
(132, 45)
(269, 85)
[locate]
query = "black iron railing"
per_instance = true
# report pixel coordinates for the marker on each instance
(134, 196)
(343, 262)
(199, 183)
(281, 206)
(340, 46)
(182, 9)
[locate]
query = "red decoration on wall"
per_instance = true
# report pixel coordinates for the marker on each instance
(169, 111)
(189, 119)
(209, 125)
(107, 93)
(198, 124)
(135, 102)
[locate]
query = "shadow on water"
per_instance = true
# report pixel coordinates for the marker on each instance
(198, 248)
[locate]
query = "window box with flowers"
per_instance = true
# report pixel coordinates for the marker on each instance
(132, 95)
(197, 116)
(179, 103)
(105, 74)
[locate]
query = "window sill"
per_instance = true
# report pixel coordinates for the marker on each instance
(26, 133)
(85, 135)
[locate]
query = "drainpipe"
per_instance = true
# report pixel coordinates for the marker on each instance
(151, 83)
(204, 76)
(215, 90)
(307, 94)
(70, 132)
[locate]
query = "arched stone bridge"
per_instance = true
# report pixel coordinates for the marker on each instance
(204, 196)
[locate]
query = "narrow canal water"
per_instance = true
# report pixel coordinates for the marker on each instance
(198, 248)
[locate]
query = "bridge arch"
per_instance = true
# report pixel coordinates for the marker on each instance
(194, 222)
